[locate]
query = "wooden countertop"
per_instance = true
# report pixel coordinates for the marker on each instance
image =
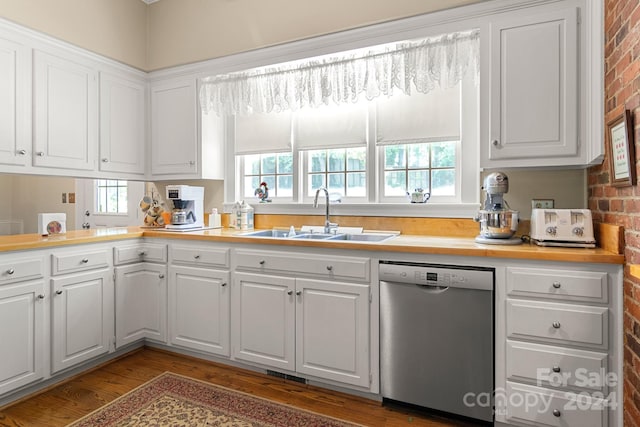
(463, 246)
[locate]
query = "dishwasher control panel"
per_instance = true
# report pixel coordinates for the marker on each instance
(436, 275)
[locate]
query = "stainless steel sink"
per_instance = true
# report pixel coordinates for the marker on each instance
(363, 237)
(275, 234)
(317, 236)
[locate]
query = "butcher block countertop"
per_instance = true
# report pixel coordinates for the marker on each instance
(404, 243)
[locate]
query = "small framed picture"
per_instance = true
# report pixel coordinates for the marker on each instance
(622, 151)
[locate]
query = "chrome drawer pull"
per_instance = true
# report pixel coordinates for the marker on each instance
(161, 276)
(59, 292)
(142, 253)
(10, 271)
(262, 262)
(289, 292)
(556, 285)
(556, 369)
(196, 256)
(223, 284)
(556, 413)
(85, 260)
(329, 267)
(556, 324)
(41, 296)
(299, 293)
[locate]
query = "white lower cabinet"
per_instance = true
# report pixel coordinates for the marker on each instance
(199, 300)
(22, 324)
(141, 303)
(312, 327)
(82, 317)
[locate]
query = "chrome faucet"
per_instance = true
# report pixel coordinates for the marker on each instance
(329, 227)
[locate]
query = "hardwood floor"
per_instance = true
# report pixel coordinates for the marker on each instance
(79, 396)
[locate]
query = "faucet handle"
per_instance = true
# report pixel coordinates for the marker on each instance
(331, 228)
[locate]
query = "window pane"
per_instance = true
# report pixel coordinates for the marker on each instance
(317, 161)
(285, 186)
(112, 199)
(418, 179)
(250, 185)
(102, 199)
(271, 184)
(356, 159)
(357, 184)
(444, 155)
(418, 156)
(269, 163)
(336, 183)
(395, 183)
(122, 200)
(394, 157)
(443, 182)
(315, 181)
(252, 164)
(336, 160)
(285, 163)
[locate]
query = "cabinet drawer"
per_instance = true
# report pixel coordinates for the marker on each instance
(552, 322)
(311, 264)
(151, 252)
(79, 261)
(551, 366)
(546, 407)
(19, 270)
(558, 284)
(198, 255)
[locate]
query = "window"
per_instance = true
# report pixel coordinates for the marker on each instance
(430, 166)
(111, 196)
(342, 171)
(275, 169)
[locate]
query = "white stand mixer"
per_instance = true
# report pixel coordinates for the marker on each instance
(498, 223)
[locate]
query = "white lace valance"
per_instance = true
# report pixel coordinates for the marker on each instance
(420, 66)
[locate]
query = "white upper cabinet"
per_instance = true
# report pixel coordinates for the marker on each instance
(185, 144)
(65, 112)
(533, 79)
(122, 124)
(15, 103)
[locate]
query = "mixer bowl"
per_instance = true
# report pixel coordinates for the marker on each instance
(498, 224)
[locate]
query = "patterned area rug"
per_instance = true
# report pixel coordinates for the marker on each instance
(174, 400)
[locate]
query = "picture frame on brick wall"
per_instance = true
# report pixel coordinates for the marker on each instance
(621, 151)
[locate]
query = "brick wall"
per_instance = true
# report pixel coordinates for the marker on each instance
(622, 205)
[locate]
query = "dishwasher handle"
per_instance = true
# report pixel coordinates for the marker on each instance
(432, 289)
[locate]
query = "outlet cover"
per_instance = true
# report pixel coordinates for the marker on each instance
(72, 197)
(64, 197)
(542, 204)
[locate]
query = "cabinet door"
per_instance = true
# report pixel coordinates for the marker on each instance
(174, 124)
(534, 86)
(15, 103)
(263, 322)
(82, 315)
(21, 334)
(65, 113)
(332, 331)
(141, 303)
(122, 125)
(199, 302)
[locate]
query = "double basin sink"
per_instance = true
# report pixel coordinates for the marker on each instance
(344, 237)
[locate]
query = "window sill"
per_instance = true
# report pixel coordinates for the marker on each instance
(419, 210)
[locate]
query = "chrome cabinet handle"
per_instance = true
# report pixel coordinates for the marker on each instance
(161, 276)
(495, 142)
(329, 267)
(556, 324)
(22, 152)
(142, 253)
(556, 285)
(223, 284)
(105, 160)
(196, 256)
(289, 292)
(10, 271)
(41, 296)
(192, 162)
(556, 369)
(262, 262)
(40, 153)
(298, 293)
(556, 413)
(59, 292)
(85, 260)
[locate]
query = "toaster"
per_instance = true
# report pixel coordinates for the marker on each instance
(562, 227)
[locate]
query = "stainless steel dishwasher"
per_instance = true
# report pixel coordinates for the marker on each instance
(436, 337)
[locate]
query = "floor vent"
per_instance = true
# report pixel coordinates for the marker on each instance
(286, 377)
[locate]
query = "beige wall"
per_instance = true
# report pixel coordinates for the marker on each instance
(113, 28)
(183, 31)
